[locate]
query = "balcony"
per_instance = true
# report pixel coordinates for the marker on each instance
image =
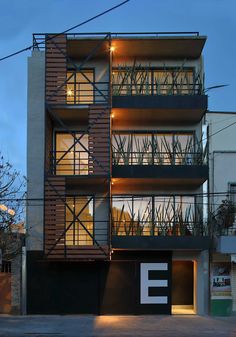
(72, 229)
(158, 222)
(144, 90)
(171, 156)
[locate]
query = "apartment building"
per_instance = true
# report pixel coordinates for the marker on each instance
(117, 171)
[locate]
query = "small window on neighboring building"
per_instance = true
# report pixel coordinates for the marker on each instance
(232, 192)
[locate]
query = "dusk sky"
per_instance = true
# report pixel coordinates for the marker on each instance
(20, 19)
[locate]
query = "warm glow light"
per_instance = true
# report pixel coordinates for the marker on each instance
(3, 208)
(112, 49)
(69, 92)
(11, 211)
(112, 115)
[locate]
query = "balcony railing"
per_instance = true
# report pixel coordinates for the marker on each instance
(70, 163)
(159, 158)
(139, 228)
(79, 93)
(157, 215)
(156, 89)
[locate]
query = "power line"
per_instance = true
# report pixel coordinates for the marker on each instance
(65, 31)
(123, 196)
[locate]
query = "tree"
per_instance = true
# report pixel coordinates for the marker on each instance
(225, 215)
(12, 192)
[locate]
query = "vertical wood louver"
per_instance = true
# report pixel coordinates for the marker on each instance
(56, 66)
(54, 215)
(99, 140)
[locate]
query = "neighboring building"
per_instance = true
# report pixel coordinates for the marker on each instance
(222, 186)
(117, 167)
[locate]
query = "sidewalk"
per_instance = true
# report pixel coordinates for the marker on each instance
(117, 326)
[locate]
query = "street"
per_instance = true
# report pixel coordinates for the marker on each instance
(117, 326)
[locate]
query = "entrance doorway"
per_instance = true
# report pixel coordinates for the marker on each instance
(183, 287)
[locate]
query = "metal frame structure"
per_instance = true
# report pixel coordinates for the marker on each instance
(106, 106)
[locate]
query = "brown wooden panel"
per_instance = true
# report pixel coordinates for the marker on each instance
(56, 69)
(99, 138)
(5, 293)
(54, 213)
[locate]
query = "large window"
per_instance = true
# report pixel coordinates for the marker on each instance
(138, 80)
(153, 149)
(71, 157)
(79, 221)
(156, 215)
(80, 87)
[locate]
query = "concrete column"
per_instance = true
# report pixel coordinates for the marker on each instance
(35, 150)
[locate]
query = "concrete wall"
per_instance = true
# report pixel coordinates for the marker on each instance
(35, 149)
(222, 152)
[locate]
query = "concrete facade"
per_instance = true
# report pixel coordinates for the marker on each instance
(35, 150)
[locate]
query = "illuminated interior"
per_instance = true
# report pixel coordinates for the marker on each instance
(76, 234)
(71, 157)
(79, 87)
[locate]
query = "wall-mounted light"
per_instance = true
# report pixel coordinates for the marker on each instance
(69, 92)
(112, 49)
(112, 115)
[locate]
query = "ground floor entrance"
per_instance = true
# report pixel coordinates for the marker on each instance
(133, 283)
(183, 287)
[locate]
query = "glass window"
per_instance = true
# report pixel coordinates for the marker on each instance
(156, 148)
(145, 81)
(142, 149)
(122, 149)
(163, 215)
(79, 233)
(142, 215)
(80, 87)
(122, 215)
(71, 156)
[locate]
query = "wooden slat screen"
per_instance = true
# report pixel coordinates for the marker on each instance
(99, 140)
(56, 67)
(54, 214)
(54, 222)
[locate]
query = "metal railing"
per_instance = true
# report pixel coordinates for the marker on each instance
(146, 89)
(155, 228)
(69, 163)
(158, 158)
(86, 92)
(76, 235)
(228, 231)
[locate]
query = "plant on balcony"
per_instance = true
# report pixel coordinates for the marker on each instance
(225, 216)
(131, 80)
(142, 226)
(184, 221)
(140, 79)
(122, 149)
(164, 217)
(143, 153)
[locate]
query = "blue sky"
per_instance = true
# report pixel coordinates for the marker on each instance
(20, 19)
